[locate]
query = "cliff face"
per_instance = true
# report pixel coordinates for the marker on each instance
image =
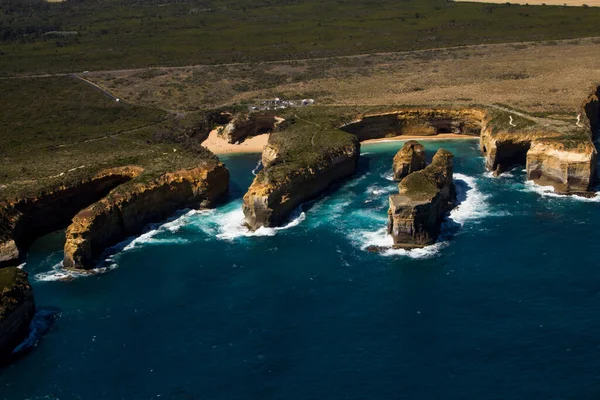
(24, 220)
(244, 125)
(591, 110)
(504, 150)
(269, 202)
(568, 170)
(417, 212)
(410, 158)
(127, 209)
(423, 122)
(565, 160)
(17, 308)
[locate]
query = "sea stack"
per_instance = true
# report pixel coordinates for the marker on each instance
(410, 158)
(17, 308)
(417, 212)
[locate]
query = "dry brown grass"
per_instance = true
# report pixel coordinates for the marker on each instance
(569, 3)
(544, 78)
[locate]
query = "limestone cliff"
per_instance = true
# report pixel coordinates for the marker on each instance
(559, 156)
(244, 125)
(570, 170)
(410, 158)
(417, 212)
(422, 122)
(128, 208)
(24, 220)
(274, 194)
(17, 308)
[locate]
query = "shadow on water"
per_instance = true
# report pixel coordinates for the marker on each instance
(40, 325)
(361, 170)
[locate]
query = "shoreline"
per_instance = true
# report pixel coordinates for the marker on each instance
(218, 146)
(403, 138)
(256, 144)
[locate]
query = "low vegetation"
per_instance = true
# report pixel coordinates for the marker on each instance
(58, 131)
(77, 35)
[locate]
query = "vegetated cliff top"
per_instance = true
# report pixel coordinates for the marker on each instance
(426, 183)
(57, 132)
(13, 286)
(309, 138)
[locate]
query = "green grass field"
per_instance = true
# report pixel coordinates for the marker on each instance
(56, 131)
(132, 34)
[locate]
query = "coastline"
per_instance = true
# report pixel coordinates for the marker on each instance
(254, 144)
(403, 138)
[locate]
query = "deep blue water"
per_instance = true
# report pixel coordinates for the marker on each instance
(506, 306)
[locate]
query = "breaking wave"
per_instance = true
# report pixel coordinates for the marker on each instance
(229, 224)
(60, 273)
(472, 206)
(548, 191)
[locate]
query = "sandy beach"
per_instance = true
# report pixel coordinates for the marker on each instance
(254, 144)
(442, 136)
(573, 3)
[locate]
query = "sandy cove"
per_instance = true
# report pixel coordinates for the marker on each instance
(252, 144)
(255, 144)
(403, 138)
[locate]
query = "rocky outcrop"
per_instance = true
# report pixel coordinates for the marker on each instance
(127, 209)
(276, 192)
(563, 159)
(570, 170)
(244, 125)
(422, 122)
(24, 220)
(417, 212)
(17, 308)
(410, 158)
(504, 150)
(269, 155)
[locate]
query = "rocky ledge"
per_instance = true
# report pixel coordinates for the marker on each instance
(410, 158)
(281, 188)
(417, 121)
(417, 212)
(244, 125)
(562, 156)
(128, 208)
(25, 219)
(17, 308)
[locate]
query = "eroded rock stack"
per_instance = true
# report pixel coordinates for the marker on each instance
(417, 212)
(275, 194)
(410, 158)
(17, 308)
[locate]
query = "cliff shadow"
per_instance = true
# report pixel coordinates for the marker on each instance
(42, 323)
(362, 169)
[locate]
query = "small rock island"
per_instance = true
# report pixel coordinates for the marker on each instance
(425, 196)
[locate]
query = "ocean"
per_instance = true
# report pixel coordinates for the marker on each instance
(504, 306)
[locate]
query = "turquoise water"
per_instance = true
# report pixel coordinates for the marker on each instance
(505, 306)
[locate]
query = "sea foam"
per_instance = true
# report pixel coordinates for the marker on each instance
(548, 191)
(472, 206)
(229, 224)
